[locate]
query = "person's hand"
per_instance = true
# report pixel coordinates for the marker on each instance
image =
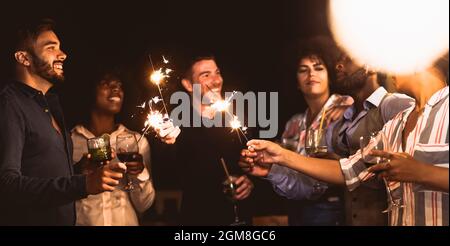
(247, 164)
(104, 178)
(334, 114)
(167, 132)
(85, 164)
(401, 167)
(137, 166)
(244, 187)
(266, 152)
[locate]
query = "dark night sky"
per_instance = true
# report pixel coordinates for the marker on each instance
(252, 41)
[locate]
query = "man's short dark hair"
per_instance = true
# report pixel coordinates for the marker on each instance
(187, 74)
(27, 33)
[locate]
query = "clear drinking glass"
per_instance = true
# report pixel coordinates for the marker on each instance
(315, 142)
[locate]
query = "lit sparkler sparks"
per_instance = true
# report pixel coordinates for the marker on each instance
(159, 76)
(165, 60)
(154, 100)
(223, 105)
(236, 125)
(142, 106)
(155, 118)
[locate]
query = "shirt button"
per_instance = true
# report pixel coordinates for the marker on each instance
(46, 110)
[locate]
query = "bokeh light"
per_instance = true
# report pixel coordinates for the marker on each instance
(399, 36)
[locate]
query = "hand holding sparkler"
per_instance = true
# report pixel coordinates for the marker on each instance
(167, 132)
(161, 124)
(157, 120)
(247, 164)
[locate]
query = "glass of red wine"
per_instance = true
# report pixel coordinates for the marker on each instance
(127, 151)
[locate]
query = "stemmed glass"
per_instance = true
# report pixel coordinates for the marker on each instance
(127, 151)
(379, 141)
(229, 188)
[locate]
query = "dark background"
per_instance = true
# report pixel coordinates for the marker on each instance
(253, 41)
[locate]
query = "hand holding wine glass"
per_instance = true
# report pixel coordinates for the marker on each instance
(99, 149)
(128, 153)
(230, 189)
(369, 144)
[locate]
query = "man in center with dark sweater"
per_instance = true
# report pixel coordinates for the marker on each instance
(200, 150)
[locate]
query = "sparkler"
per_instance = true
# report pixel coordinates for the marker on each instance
(155, 118)
(224, 165)
(236, 125)
(223, 106)
(154, 121)
(159, 76)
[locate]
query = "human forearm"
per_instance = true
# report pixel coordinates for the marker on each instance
(433, 177)
(42, 191)
(290, 183)
(322, 169)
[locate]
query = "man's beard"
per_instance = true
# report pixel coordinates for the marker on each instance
(352, 83)
(45, 70)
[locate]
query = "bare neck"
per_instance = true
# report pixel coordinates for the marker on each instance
(425, 86)
(315, 104)
(101, 123)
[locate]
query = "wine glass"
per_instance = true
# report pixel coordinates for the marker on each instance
(99, 148)
(127, 151)
(378, 141)
(315, 142)
(229, 188)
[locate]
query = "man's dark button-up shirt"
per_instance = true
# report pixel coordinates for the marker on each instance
(37, 185)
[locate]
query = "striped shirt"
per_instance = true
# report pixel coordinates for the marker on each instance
(428, 143)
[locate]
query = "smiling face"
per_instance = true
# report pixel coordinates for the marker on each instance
(109, 96)
(207, 74)
(47, 58)
(312, 77)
